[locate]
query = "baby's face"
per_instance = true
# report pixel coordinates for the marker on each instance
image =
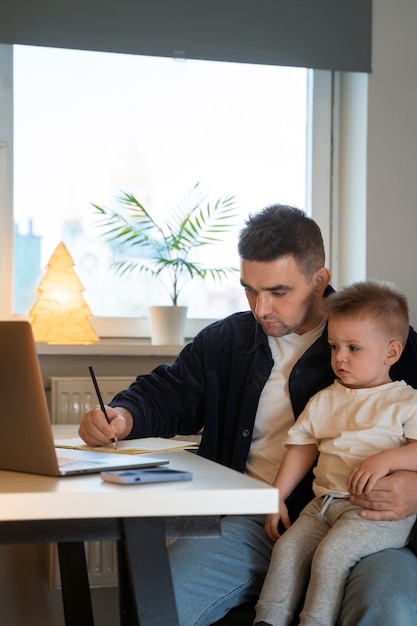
(360, 353)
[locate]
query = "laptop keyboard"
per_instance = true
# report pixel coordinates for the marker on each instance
(73, 463)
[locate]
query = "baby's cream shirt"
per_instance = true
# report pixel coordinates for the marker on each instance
(349, 425)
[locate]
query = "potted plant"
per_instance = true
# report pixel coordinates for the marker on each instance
(164, 248)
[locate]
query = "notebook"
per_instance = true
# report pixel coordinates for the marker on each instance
(26, 441)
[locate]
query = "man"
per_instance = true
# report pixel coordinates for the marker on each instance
(244, 380)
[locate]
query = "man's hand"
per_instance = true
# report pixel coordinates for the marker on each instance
(272, 521)
(96, 431)
(393, 497)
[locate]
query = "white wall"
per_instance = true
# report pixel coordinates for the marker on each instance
(26, 599)
(392, 148)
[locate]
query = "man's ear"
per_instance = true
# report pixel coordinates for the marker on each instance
(321, 279)
(394, 351)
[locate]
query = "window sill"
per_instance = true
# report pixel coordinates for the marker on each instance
(138, 327)
(108, 347)
(121, 337)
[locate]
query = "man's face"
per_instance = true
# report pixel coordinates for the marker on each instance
(281, 298)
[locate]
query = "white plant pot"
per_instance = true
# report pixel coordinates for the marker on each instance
(168, 325)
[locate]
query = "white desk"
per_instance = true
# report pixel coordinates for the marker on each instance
(72, 510)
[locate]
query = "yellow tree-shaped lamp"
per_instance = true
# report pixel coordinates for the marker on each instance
(60, 313)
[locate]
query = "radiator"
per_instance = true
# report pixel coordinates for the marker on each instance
(70, 397)
(101, 564)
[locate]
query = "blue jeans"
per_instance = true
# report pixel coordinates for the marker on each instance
(213, 575)
(382, 589)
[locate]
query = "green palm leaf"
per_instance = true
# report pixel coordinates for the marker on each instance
(193, 222)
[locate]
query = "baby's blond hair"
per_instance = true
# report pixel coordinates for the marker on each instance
(380, 301)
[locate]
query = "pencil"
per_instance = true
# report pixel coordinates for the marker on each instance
(100, 400)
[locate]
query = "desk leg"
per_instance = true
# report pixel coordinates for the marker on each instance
(150, 584)
(75, 586)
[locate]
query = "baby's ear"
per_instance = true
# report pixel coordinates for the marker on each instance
(394, 351)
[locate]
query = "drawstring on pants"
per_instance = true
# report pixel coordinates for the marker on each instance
(327, 500)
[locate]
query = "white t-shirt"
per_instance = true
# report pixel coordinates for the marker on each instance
(275, 414)
(349, 425)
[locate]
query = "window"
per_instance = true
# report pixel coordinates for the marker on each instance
(88, 125)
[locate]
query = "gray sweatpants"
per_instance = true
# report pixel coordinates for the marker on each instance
(328, 538)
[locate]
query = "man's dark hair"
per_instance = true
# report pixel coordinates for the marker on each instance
(280, 230)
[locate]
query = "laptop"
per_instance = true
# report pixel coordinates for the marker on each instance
(26, 440)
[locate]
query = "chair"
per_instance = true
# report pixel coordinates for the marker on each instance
(242, 615)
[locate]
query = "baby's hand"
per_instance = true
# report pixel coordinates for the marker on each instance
(365, 475)
(272, 520)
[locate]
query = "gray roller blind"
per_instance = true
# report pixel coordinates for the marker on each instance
(320, 34)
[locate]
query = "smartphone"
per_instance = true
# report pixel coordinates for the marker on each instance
(151, 475)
